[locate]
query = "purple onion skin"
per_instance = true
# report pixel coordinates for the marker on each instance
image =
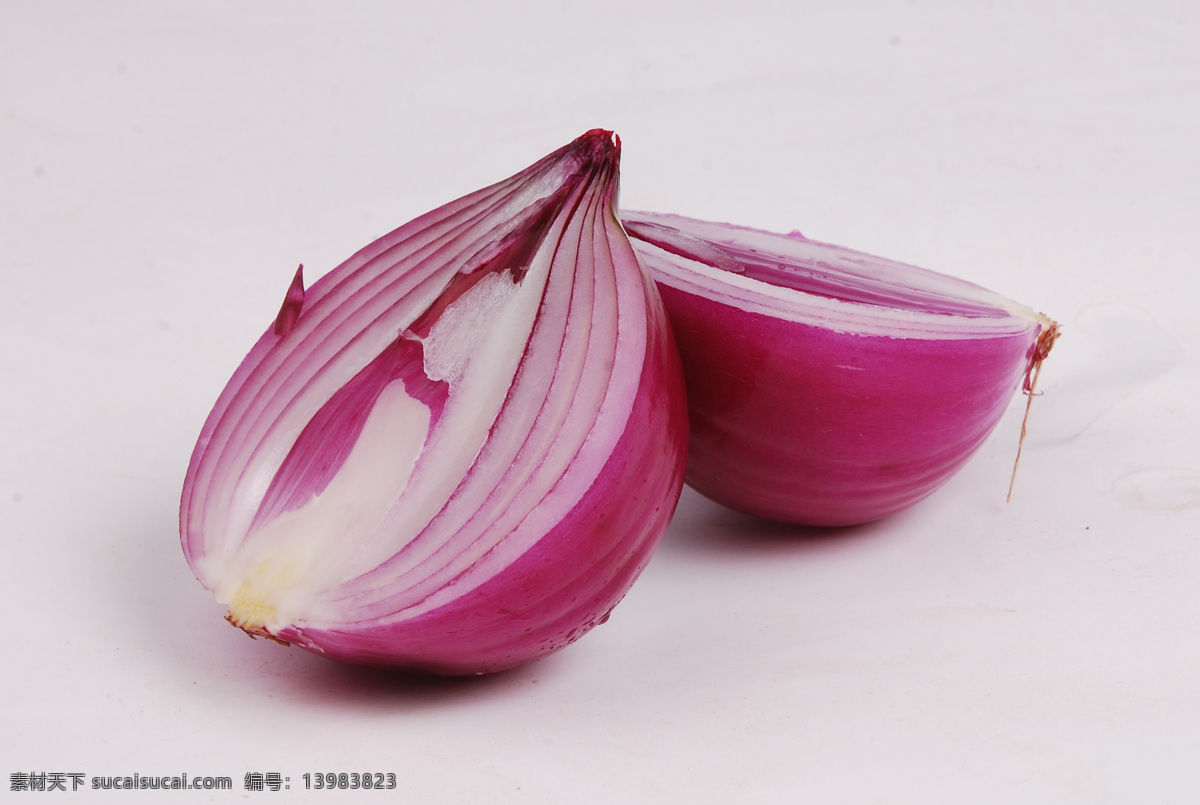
(797, 423)
(575, 575)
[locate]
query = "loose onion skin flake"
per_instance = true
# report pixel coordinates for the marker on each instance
(825, 386)
(457, 450)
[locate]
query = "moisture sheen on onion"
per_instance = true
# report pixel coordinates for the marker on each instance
(457, 450)
(826, 386)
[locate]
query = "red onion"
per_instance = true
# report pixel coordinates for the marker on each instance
(458, 449)
(827, 386)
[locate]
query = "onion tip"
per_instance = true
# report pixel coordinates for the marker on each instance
(601, 141)
(293, 301)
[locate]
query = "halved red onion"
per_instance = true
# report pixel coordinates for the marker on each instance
(827, 386)
(458, 449)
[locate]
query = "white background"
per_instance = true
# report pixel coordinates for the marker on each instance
(165, 166)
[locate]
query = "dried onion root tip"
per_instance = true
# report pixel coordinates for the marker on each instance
(456, 451)
(1039, 353)
(826, 386)
(254, 632)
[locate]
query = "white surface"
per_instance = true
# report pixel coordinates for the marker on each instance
(164, 167)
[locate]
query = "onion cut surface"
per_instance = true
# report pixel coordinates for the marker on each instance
(826, 386)
(459, 448)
